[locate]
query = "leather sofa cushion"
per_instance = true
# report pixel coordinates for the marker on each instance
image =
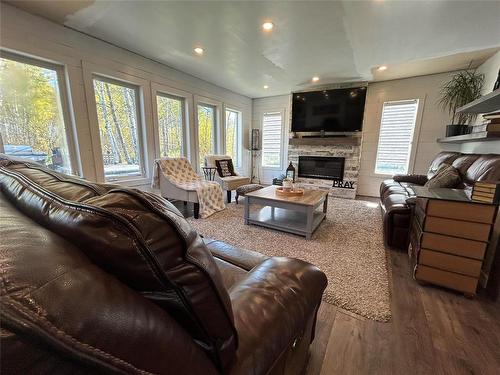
(443, 157)
(140, 238)
(62, 314)
(484, 168)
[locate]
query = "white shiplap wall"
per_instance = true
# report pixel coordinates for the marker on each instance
(24, 33)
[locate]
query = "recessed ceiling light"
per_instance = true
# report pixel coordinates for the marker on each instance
(315, 79)
(268, 26)
(266, 87)
(382, 68)
(199, 50)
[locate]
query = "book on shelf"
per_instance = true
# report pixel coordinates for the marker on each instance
(492, 115)
(487, 192)
(486, 126)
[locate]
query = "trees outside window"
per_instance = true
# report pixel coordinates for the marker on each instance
(206, 131)
(31, 117)
(118, 127)
(170, 123)
(233, 136)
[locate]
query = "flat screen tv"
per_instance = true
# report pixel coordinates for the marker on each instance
(332, 111)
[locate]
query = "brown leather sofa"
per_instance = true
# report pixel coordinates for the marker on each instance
(394, 192)
(98, 278)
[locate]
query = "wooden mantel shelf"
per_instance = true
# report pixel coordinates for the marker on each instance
(326, 141)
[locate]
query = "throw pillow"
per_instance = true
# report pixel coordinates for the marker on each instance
(446, 176)
(225, 167)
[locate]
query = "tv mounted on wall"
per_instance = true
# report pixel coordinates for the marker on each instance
(329, 111)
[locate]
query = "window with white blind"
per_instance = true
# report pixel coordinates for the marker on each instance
(396, 137)
(271, 139)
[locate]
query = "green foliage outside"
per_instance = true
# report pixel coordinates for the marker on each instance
(206, 122)
(170, 126)
(232, 136)
(30, 114)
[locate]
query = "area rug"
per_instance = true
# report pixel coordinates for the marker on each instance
(347, 247)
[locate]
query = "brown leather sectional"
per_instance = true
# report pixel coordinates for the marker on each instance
(98, 278)
(394, 192)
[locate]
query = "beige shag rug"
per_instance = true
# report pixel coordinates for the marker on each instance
(347, 247)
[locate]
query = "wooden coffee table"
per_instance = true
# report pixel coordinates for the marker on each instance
(296, 214)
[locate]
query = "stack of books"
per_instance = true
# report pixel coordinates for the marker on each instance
(487, 192)
(490, 124)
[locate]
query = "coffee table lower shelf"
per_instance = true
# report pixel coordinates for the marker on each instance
(285, 220)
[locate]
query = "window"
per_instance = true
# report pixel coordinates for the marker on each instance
(31, 116)
(233, 136)
(170, 123)
(396, 136)
(117, 115)
(206, 131)
(271, 139)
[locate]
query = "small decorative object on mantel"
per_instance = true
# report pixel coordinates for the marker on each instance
(486, 192)
(290, 172)
(463, 88)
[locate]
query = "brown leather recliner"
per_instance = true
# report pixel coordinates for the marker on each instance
(394, 192)
(98, 278)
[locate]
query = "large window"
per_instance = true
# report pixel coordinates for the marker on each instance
(233, 136)
(117, 114)
(206, 131)
(396, 136)
(31, 116)
(271, 139)
(170, 123)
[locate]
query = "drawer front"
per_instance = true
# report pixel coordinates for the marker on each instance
(453, 263)
(462, 283)
(454, 245)
(457, 228)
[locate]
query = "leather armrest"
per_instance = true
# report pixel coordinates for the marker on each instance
(245, 259)
(417, 179)
(271, 307)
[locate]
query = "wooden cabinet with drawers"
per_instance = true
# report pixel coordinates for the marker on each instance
(452, 239)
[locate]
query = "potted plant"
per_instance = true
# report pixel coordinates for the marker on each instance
(464, 87)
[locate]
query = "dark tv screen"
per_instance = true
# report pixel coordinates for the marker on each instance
(338, 110)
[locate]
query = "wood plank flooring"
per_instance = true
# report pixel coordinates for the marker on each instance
(433, 331)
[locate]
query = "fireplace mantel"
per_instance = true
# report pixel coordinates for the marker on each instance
(326, 141)
(342, 147)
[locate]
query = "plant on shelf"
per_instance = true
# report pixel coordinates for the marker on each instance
(464, 87)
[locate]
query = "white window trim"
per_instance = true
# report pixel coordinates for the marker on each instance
(284, 138)
(66, 103)
(159, 89)
(232, 108)
(144, 117)
(416, 133)
(218, 140)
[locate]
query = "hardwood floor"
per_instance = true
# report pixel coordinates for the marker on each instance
(432, 331)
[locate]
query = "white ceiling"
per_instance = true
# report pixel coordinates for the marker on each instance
(339, 41)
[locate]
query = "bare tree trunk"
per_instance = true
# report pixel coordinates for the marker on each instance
(132, 120)
(117, 126)
(104, 109)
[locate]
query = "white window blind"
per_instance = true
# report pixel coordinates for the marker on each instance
(271, 139)
(396, 136)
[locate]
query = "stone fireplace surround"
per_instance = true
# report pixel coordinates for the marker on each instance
(346, 147)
